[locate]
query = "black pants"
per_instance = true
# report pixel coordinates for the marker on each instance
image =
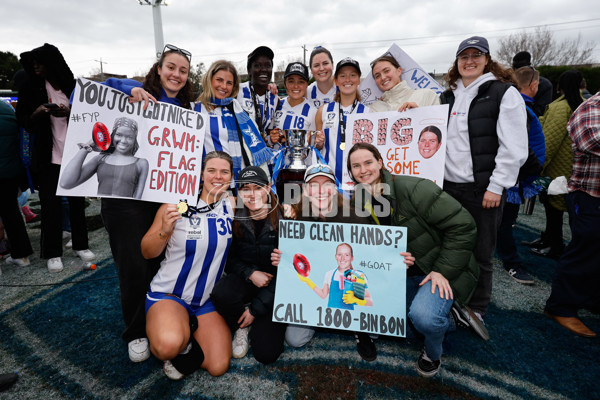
(575, 282)
(553, 235)
(229, 296)
(126, 222)
(488, 221)
(51, 235)
(13, 221)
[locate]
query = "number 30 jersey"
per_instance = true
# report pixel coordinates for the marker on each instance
(196, 254)
(301, 116)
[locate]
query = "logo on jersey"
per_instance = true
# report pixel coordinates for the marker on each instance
(248, 104)
(317, 103)
(330, 116)
(195, 221)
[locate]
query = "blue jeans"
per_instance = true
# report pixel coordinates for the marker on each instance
(429, 314)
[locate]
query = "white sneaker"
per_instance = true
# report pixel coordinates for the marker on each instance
(69, 244)
(55, 264)
(171, 371)
(85, 255)
(139, 350)
(21, 262)
(240, 343)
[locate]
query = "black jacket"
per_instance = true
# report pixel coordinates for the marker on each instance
(483, 138)
(250, 253)
(33, 94)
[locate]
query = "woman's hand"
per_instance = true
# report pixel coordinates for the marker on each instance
(88, 147)
(408, 105)
(139, 94)
(277, 136)
(271, 87)
(319, 139)
(438, 280)
(491, 200)
(261, 279)
(288, 211)
(275, 257)
(409, 260)
(169, 217)
(246, 319)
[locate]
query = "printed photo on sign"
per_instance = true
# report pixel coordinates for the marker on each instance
(411, 143)
(412, 73)
(117, 149)
(342, 276)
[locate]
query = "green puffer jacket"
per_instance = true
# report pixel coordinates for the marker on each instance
(559, 153)
(441, 233)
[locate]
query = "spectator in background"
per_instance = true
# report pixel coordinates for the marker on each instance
(559, 160)
(11, 173)
(584, 92)
(43, 110)
(575, 283)
(544, 94)
(527, 82)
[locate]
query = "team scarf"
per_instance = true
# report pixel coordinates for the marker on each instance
(253, 142)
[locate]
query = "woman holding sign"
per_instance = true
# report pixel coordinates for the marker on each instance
(250, 275)
(397, 94)
(441, 237)
(331, 117)
(183, 327)
(125, 220)
(229, 128)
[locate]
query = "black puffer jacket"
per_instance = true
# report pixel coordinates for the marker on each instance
(251, 253)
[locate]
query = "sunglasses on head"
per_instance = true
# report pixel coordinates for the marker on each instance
(532, 74)
(319, 168)
(176, 49)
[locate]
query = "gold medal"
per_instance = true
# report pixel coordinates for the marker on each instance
(182, 207)
(342, 146)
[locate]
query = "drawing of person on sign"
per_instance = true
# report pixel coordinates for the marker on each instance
(119, 172)
(344, 285)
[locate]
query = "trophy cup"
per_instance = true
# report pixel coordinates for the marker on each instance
(300, 143)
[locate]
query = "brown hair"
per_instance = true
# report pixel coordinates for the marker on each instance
(207, 92)
(338, 97)
(368, 147)
(273, 216)
(525, 76)
(503, 74)
(153, 86)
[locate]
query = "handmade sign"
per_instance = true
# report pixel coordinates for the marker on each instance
(342, 276)
(411, 143)
(115, 148)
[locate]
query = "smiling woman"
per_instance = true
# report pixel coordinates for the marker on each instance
(229, 128)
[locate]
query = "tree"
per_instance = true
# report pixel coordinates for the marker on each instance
(195, 77)
(544, 49)
(9, 64)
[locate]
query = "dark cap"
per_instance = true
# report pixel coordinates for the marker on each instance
(260, 51)
(348, 62)
(475, 42)
(254, 175)
(318, 170)
(296, 68)
(521, 59)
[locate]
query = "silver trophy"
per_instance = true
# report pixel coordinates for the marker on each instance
(299, 147)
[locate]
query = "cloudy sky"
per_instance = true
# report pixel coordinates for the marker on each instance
(121, 32)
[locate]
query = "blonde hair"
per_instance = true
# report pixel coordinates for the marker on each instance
(208, 92)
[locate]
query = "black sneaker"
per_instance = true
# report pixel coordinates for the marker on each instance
(365, 346)
(518, 273)
(466, 318)
(7, 380)
(427, 368)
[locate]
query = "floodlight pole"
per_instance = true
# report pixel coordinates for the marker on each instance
(159, 42)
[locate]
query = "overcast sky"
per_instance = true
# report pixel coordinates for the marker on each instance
(121, 32)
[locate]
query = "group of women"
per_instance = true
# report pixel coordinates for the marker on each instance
(175, 302)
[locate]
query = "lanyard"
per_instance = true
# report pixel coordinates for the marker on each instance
(343, 120)
(259, 117)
